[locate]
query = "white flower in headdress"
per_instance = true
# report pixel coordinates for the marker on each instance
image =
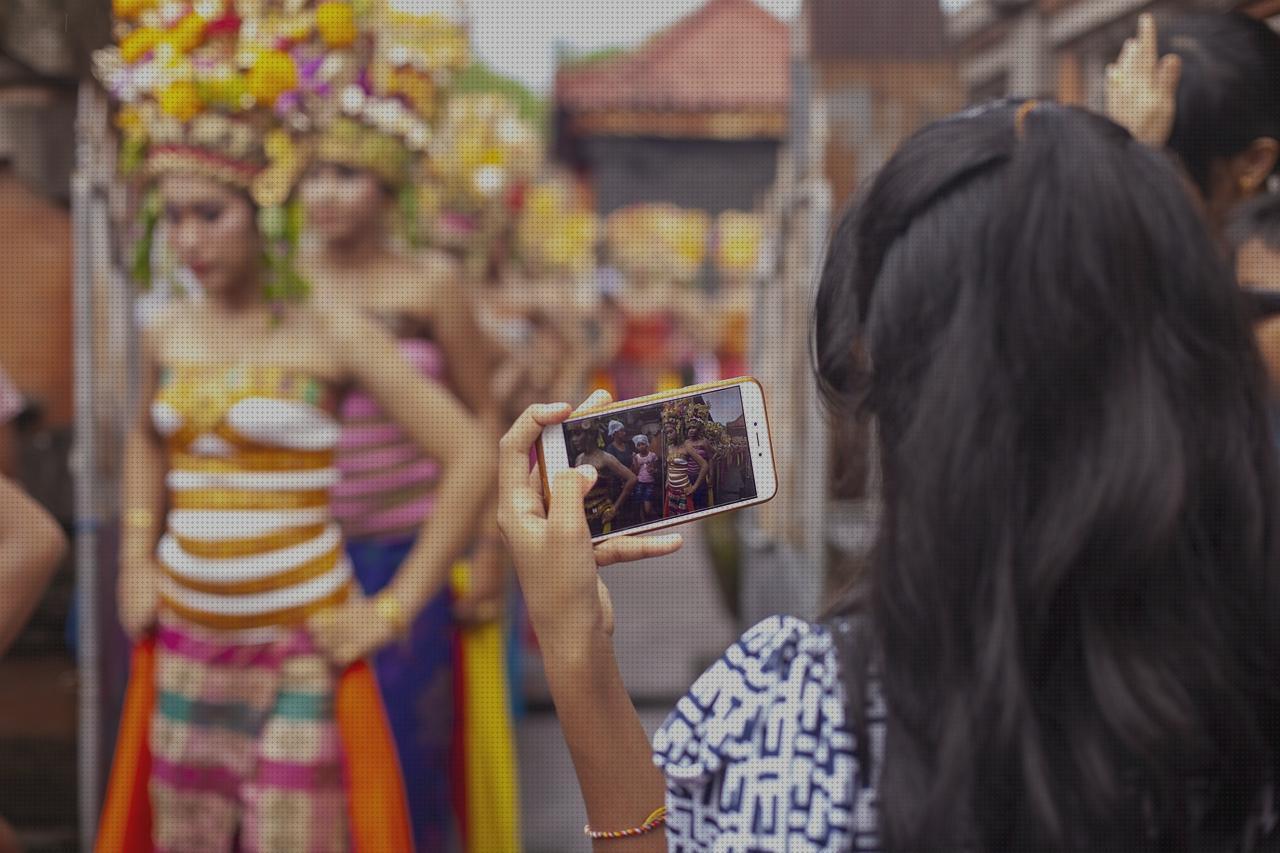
(489, 180)
(384, 114)
(353, 100)
(419, 137)
(171, 13)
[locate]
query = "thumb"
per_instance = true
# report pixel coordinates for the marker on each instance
(566, 514)
(1169, 72)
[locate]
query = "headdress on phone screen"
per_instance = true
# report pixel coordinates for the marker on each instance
(675, 415)
(698, 414)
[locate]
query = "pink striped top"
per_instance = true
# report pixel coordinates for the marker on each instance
(387, 483)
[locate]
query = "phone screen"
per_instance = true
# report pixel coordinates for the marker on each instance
(665, 459)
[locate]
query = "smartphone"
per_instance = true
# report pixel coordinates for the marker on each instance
(668, 458)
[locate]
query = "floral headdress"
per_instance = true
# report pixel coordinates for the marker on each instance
(478, 165)
(658, 241)
(381, 82)
(698, 413)
(200, 83)
(204, 88)
(676, 415)
(738, 238)
(556, 233)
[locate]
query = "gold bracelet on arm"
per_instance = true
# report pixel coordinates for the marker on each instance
(138, 518)
(656, 819)
(386, 605)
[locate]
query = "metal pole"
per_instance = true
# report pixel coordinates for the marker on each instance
(89, 113)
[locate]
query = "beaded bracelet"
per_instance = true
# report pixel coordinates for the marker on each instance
(386, 605)
(652, 822)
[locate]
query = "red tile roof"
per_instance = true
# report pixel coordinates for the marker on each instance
(730, 55)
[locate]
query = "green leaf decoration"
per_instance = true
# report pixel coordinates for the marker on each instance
(141, 269)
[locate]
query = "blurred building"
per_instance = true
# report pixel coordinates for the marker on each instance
(883, 68)
(694, 117)
(1057, 47)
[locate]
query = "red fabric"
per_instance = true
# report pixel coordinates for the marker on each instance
(376, 802)
(125, 825)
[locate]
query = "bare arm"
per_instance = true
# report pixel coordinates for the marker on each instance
(143, 494)
(445, 431)
(692, 453)
(470, 356)
(31, 546)
(628, 478)
(571, 613)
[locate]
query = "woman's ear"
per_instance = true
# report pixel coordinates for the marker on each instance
(1251, 168)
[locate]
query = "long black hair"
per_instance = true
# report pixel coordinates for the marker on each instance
(1228, 94)
(1073, 594)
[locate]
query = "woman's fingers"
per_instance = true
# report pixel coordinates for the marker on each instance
(1168, 73)
(566, 516)
(628, 549)
(598, 398)
(1147, 50)
(606, 607)
(513, 456)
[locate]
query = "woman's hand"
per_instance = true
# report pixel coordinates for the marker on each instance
(485, 596)
(554, 558)
(1142, 87)
(350, 631)
(138, 598)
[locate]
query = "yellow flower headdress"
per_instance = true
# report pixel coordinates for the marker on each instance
(738, 240)
(381, 117)
(477, 167)
(557, 232)
(212, 87)
(200, 83)
(663, 241)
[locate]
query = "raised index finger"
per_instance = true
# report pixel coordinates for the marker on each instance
(1147, 47)
(513, 450)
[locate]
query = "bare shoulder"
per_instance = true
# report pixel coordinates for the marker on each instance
(174, 333)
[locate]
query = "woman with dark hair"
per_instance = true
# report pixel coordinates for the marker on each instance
(1205, 87)
(1066, 638)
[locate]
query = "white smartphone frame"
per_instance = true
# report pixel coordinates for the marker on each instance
(553, 453)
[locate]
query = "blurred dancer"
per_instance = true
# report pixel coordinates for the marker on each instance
(664, 324)
(12, 405)
(31, 546)
(250, 722)
(387, 489)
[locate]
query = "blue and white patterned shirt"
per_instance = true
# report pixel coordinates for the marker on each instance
(757, 755)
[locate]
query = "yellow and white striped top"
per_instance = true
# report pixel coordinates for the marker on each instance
(249, 543)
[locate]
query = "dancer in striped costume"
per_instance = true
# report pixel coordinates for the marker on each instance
(251, 723)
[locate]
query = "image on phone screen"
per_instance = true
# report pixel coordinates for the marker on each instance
(663, 460)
